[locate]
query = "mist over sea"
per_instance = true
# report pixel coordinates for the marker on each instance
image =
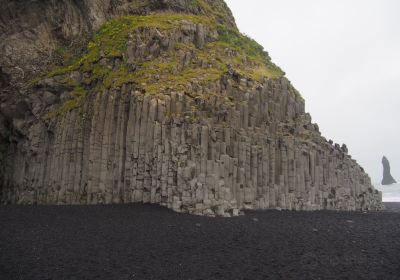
(390, 193)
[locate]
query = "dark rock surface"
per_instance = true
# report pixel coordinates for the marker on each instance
(30, 31)
(150, 242)
(158, 101)
(387, 177)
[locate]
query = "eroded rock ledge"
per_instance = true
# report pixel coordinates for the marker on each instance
(178, 109)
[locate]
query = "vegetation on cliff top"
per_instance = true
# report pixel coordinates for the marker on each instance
(110, 41)
(164, 72)
(218, 10)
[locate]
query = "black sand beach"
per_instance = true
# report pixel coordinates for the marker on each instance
(150, 242)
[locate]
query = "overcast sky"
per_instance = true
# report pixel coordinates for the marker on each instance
(344, 58)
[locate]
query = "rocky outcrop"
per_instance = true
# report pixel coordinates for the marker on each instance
(387, 177)
(32, 32)
(177, 109)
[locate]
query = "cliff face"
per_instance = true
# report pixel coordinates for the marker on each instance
(163, 102)
(31, 31)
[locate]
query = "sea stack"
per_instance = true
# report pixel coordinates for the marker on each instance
(161, 102)
(387, 177)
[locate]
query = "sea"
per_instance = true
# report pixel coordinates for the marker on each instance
(390, 193)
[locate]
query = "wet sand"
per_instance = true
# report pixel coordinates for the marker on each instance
(149, 242)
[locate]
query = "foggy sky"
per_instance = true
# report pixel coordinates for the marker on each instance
(344, 58)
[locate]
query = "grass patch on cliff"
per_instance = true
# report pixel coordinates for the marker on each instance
(110, 41)
(294, 92)
(218, 10)
(165, 72)
(76, 100)
(250, 50)
(206, 65)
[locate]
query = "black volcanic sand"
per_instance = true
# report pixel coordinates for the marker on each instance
(149, 242)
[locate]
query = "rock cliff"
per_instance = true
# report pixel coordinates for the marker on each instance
(158, 101)
(387, 177)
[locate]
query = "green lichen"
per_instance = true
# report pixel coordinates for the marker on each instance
(138, 4)
(165, 72)
(215, 9)
(234, 39)
(110, 40)
(77, 97)
(294, 92)
(249, 49)
(207, 65)
(64, 53)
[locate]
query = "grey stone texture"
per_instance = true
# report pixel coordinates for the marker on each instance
(260, 150)
(131, 147)
(387, 178)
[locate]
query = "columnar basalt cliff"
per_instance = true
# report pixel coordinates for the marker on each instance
(158, 102)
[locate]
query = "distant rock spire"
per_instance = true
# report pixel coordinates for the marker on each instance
(387, 177)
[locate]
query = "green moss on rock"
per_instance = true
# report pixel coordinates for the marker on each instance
(215, 9)
(76, 100)
(110, 40)
(165, 72)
